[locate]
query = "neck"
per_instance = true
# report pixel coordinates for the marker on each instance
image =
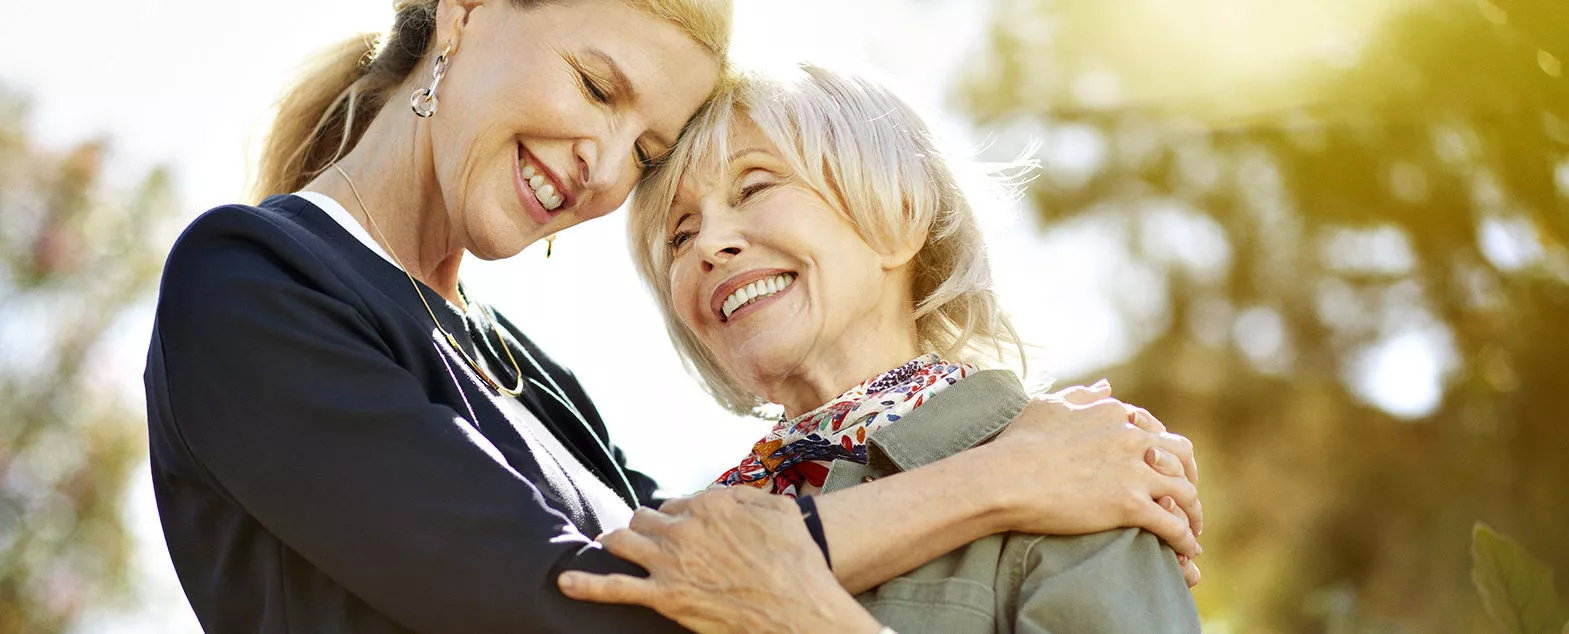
(862, 353)
(398, 201)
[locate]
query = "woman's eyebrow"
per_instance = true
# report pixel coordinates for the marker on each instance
(625, 86)
(619, 78)
(743, 152)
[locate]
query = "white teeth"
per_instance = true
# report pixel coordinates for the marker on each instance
(544, 190)
(756, 290)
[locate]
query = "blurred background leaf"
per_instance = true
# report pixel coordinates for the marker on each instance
(73, 259)
(1517, 590)
(1343, 225)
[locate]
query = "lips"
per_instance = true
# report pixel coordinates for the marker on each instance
(538, 187)
(738, 282)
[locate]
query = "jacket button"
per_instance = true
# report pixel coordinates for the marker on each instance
(868, 478)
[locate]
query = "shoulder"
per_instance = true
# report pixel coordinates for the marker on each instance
(235, 232)
(232, 244)
(243, 264)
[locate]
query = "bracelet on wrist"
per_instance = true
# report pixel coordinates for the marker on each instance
(814, 525)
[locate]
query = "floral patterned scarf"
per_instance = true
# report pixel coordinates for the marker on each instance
(800, 450)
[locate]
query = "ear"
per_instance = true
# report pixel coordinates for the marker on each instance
(904, 249)
(452, 16)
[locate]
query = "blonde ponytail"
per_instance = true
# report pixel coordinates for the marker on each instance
(324, 114)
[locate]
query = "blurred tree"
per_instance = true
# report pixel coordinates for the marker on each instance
(72, 262)
(1322, 202)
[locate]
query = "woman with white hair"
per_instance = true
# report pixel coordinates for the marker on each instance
(810, 247)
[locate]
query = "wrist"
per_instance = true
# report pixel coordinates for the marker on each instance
(996, 503)
(855, 618)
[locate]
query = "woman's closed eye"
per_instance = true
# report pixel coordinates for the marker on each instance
(682, 234)
(592, 86)
(679, 239)
(753, 182)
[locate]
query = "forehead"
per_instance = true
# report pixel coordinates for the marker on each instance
(715, 156)
(670, 71)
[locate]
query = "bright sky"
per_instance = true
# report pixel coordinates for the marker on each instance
(188, 83)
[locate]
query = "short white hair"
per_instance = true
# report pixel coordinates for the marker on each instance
(867, 153)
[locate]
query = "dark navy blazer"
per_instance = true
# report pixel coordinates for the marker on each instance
(323, 463)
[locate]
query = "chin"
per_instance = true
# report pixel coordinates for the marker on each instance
(497, 239)
(488, 250)
(759, 373)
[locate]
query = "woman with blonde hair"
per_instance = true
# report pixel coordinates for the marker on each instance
(343, 440)
(811, 247)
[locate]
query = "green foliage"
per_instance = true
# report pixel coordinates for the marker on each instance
(1516, 589)
(73, 261)
(1284, 219)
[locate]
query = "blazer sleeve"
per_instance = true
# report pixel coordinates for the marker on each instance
(282, 393)
(1121, 580)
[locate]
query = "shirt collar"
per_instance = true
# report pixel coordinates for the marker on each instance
(339, 214)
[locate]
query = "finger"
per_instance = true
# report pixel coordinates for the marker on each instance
(1171, 507)
(1190, 573)
(631, 546)
(612, 588)
(650, 522)
(1144, 420)
(1183, 448)
(1164, 462)
(1168, 528)
(676, 506)
(1107, 410)
(1184, 493)
(1081, 395)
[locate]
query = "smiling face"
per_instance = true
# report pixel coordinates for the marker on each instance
(547, 113)
(777, 284)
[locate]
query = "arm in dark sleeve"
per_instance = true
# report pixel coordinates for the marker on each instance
(1122, 580)
(285, 394)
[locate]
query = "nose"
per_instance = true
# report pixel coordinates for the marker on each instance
(609, 164)
(718, 241)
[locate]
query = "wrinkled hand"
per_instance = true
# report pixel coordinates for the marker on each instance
(1083, 462)
(725, 560)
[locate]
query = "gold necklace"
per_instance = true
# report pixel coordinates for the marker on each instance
(515, 391)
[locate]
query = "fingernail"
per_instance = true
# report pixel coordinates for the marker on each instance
(567, 581)
(1100, 385)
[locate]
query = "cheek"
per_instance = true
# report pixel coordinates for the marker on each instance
(683, 287)
(614, 196)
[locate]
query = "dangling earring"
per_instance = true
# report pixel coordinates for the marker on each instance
(424, 100)
(550, 245)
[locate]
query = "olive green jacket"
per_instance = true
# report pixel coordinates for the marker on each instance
(1122, 580)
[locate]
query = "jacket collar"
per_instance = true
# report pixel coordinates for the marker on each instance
(962, 416)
